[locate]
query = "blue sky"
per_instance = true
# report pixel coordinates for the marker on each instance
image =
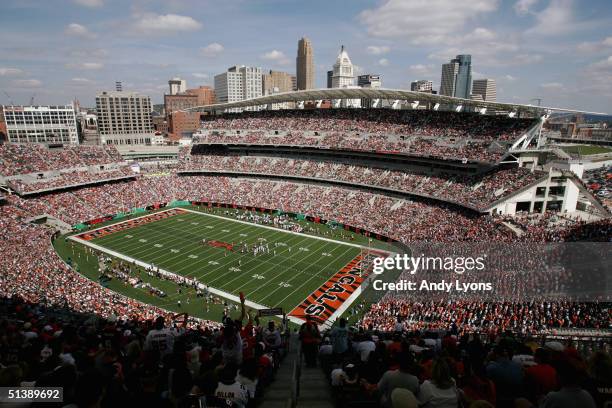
(56, 50)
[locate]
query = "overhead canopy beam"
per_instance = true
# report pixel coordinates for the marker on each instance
(382, 93)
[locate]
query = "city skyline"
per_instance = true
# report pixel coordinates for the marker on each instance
(556, 50)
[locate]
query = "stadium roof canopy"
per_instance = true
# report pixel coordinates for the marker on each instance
(382, 94)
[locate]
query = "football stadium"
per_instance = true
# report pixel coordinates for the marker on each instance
(253, 247)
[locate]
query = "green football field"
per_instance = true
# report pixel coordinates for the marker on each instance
(297, 265)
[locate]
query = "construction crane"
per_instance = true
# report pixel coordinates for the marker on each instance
(539, 100)
(9, 98)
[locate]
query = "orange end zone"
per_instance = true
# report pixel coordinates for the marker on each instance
(323, 302)
(111, 229)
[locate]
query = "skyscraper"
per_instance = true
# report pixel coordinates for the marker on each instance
(449, 78)
(305, 65)
(463, 87)
(343, 71)
(486, 88)
(330, 74)
(457, 77)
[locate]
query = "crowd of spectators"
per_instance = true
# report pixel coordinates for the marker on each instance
(401, 219)
(33, 158)
(121, 361)
(442, 135)
(31, 269)
(469, 316)
(69, 178)
(446, 369)
(472, 191)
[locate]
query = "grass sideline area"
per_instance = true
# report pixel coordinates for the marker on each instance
(586, 150)
(302, 262)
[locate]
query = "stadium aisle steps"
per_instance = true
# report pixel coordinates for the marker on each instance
(278, 394)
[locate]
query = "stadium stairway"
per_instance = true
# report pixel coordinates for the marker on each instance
(296, 385)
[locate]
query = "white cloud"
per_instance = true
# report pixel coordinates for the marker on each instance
(423, 21)
(89, 3)
(10, 71)
(509, 78)
(276, 56)
(212, 50)
(200, 75)
(525, 59)
(420, 69)
(86, 53)
(85, 65)
(597, 78)
(165, 24)
(81, 80)
(78, 30)
(524, 6)
(377, 49)
(552, 86)
(27, 83)
(479, 34)
(590, 47)
(383, 62)
(555, 19)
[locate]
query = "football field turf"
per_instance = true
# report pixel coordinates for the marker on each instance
(295, 267)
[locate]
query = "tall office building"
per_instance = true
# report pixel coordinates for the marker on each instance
(369, 81)
(41, 124)
(343, 71)
(177, 86)
(422, 85)
(304, 65)
(330, 75)
(463, 87)
(238, 83)
(457, 77)
(124, 118)
(277, 82)
(486, 88)
(449, 78)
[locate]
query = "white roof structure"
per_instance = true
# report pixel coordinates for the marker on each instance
(382, 94)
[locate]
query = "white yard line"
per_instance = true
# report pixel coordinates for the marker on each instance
(285, 231)
(217, 292)
(345, 305)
